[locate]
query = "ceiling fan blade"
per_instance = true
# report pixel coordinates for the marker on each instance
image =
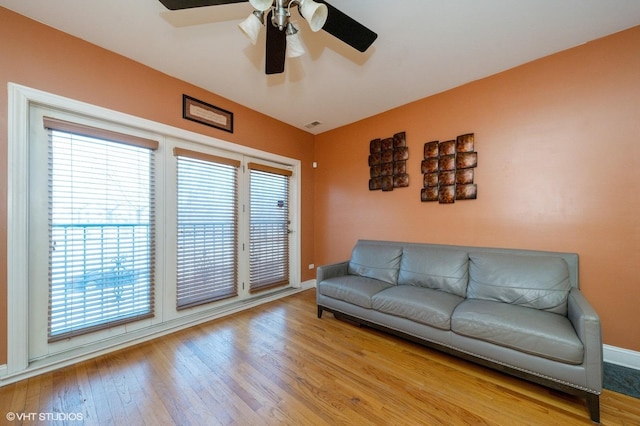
(348, 29)
(187, 4)
(276, 48)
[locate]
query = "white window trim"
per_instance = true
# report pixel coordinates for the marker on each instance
(19, 100)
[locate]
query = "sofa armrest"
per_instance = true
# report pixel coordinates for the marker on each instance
(331, 271)
(586, 322)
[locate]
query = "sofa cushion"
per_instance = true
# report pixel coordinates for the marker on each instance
(423, 305)
(352, 288)
(540, 282)
(533, 331)
(438, 268)
(377, 261)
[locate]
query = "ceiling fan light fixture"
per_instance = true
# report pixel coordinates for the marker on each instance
(261, 5)
(280, 32)
(295, 47)
(315, 13)
(252, 25)
(280, 17)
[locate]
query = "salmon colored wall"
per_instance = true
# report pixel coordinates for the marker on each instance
(37, 56)
(558, 144)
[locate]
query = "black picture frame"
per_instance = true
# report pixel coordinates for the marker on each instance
(204, 113)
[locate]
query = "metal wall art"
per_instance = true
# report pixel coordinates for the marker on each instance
(448, 170)
(388, 163)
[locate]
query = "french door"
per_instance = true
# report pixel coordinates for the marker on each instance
(269, 229)
(133, 232)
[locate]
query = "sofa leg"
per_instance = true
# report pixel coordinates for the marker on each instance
(319, 311)
(593, 404)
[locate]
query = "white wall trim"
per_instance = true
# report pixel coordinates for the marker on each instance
(17, 199)
(620, 356)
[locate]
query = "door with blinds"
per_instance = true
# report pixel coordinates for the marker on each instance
(92, 240)
(269, 226)
(207, 233)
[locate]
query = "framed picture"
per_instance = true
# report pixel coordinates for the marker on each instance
(207, 114)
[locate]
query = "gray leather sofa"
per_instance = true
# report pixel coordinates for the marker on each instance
(518, 311)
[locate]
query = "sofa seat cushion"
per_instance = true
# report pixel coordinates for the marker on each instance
(377, 261)
(352, 288)
(433, 267)
(423, 305)
(533, 331)
(540, 282)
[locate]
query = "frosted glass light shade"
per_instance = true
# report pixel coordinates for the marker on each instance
(295, 47)
(261, 5)
(315, 13)
(251, 27)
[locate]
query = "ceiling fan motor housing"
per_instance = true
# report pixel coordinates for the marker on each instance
(280, 17)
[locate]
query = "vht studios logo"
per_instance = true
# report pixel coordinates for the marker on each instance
(43, 417)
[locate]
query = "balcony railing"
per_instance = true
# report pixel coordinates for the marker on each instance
(98, 256)
(100, 274)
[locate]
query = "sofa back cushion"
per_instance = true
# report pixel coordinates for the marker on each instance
(437, 268)
(377, 261)
(540, 282)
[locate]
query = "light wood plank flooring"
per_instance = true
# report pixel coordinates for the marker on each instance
(279, 364)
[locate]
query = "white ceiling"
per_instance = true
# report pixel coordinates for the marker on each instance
(423, 47)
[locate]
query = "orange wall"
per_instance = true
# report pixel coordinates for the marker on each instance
(558, 144)
(37, 56)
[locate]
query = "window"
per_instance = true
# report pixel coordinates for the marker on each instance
(121, 229)
(101, 255)
(269, 227)
(207, 255)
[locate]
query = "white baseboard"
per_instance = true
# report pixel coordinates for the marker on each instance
(619, 356)
(306, 285)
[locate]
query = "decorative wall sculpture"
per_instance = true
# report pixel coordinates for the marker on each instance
(448, 170)
(388, 163)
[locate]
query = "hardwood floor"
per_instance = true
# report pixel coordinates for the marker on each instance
(279, 364)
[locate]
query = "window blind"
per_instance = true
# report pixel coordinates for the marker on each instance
(101, 227)
(269, 227)
(207, 254)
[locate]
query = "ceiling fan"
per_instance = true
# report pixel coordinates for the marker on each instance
(280, 31)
